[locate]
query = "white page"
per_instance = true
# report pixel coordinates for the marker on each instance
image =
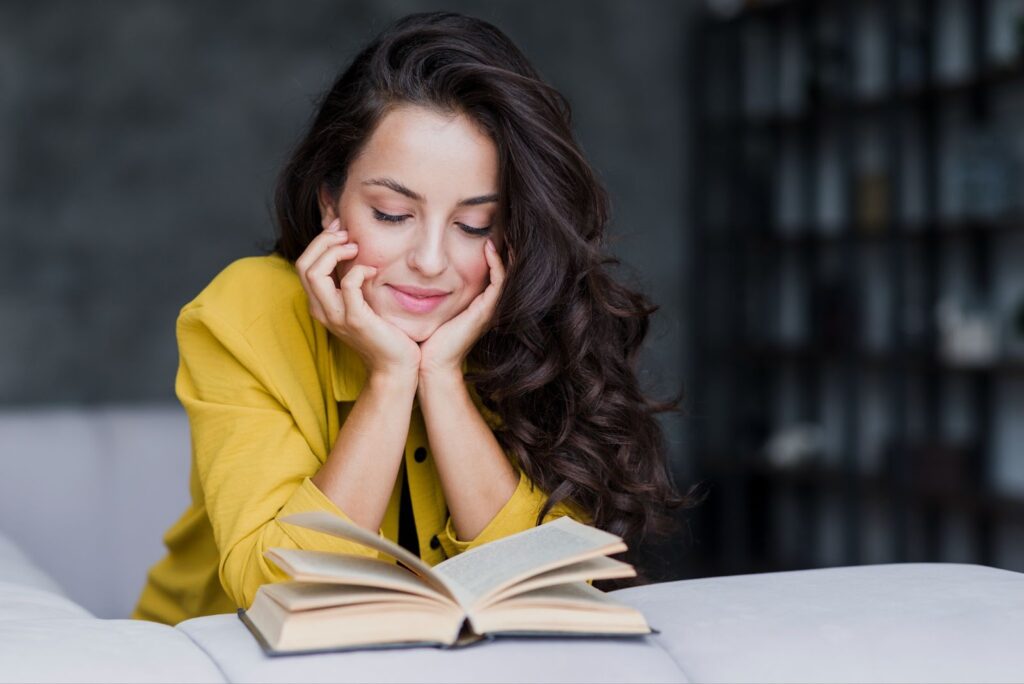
(298, 596)
(325, 522)
(327, 566)
(497, 564)
(599, 568)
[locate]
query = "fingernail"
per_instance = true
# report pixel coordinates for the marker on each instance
(335, 224)
(490, 245)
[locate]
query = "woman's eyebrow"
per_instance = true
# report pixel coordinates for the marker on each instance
(399, 188)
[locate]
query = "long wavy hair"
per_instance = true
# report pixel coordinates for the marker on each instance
(558, 365)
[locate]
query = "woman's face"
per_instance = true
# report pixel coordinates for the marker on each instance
(420, 201)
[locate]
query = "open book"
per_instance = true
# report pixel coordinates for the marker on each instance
(532, 583)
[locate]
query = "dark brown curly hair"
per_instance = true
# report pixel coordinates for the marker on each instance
(558, 365)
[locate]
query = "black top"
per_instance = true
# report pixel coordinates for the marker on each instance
(406, 523)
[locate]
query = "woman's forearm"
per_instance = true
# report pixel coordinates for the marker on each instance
(359, 473)
(476, 476)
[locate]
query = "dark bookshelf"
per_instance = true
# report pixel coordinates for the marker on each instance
(877, 105)
(738, 248)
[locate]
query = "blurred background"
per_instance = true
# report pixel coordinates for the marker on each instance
(856, 291)
(824, 198)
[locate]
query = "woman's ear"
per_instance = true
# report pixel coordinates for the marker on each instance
(328, 206)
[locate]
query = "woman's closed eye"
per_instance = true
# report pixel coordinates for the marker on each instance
(390, 218)
(381, 216)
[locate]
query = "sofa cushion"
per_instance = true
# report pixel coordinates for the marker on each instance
(226, 640)
(923, 622)
(94, 650)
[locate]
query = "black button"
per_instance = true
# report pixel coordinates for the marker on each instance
(420, 454)
(435, 542)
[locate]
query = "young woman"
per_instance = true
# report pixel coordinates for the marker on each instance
(433, 348)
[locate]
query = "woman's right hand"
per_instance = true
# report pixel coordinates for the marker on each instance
(384, 348)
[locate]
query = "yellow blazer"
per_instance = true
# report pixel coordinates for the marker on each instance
(266, 388)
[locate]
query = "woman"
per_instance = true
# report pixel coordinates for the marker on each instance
(432, 349)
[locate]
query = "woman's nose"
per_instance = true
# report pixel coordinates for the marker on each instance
(428, 256)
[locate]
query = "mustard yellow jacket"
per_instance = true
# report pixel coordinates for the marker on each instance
(266, 388)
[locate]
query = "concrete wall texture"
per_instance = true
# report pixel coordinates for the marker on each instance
(141, 140)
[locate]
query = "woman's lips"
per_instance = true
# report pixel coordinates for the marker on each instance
(416, 304)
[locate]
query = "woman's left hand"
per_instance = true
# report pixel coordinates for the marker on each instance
(444, 351)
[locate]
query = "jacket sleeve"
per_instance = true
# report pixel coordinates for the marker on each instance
(253, 463)
(519, 513)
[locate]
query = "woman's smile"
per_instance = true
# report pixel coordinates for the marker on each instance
(416, 303)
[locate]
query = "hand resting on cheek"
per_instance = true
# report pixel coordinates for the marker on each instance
(445, 350)
(341, 308)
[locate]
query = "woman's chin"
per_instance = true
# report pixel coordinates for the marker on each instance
(418, 331)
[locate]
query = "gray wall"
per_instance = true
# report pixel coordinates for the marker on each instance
(140, 143)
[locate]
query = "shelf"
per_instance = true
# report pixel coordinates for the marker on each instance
(882, 360)
(867, 106)
(750, 277)
(908, 231)
(832, 479)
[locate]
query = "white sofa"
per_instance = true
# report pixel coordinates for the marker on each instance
(64, 474)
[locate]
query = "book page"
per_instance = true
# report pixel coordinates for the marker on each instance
(296, 595)
(339, 568)
(568, 608)
(599, 568)
(322, 521)
(489, 568)
(574, 594)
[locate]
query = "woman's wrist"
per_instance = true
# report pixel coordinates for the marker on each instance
(393, 381)
(438, 381)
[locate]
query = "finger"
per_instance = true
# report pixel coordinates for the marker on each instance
(314, 251)
(302, 264)
(328, 298)
(326, 264)
(317, 246)
(356, 307)
(497, 269)
(316, 310)
(321, 279)
(484, 304)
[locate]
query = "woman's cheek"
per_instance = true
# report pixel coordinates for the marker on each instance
(363, 257)
(479, 276)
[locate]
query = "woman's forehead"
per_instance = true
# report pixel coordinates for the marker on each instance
(429, 158)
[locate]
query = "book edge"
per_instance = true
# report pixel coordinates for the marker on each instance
(274, 653)
(463, 642)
